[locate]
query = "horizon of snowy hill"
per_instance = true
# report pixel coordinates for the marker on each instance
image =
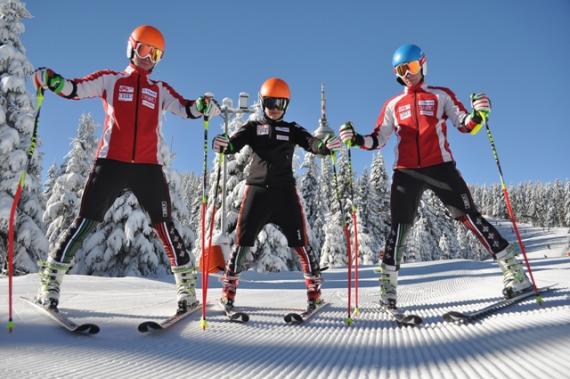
(525, 340)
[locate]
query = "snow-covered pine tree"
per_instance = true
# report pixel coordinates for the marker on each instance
(64, 197)
(447, 252)
(378, 202)
(272, 252)
(444, 225)
(52, 174)
(16, 126)
(333, 252)
(566, 206)
(499, 207)
(309, 190)
(420, 243)
(190, 190)
(367, 251)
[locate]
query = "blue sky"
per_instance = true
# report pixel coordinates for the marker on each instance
(516, 51)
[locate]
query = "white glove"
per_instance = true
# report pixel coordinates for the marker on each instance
(481, 103)
(347, 134)
(220, 143)
(333, 143)
(207, 105)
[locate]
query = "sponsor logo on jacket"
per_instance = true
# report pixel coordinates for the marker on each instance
(426, 107)
(263, 130)
(126, 93)
(405, 111)
(149, 98)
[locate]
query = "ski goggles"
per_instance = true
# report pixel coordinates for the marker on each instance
(144, 51)
(275, 103)
(413, 67)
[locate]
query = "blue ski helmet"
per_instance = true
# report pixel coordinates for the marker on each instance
(408, 53)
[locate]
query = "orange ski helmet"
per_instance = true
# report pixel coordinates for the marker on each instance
(145, 34)
(274, 94)
(275, 87)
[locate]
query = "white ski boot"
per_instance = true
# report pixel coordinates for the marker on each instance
(388, 286)
(51, 275)
(185, 277)
(515, 280)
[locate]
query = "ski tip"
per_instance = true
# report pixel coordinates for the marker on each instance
(412, 320)
(88, 328)
(147, 326)
(293, 318)
(243, 317)
(454, 316)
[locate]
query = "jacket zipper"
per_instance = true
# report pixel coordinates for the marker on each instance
(417, 129)
(136, 118)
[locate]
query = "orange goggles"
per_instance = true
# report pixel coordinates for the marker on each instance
(144, 51)
(413, 67)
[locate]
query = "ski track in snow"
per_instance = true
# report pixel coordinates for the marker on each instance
(523, 341)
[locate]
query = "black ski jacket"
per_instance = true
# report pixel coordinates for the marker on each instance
(273, 144)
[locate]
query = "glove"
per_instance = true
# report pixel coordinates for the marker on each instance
(207, 105)
(481, 103)
(333, 143)
(347, 134)
(221, 144)
(481, 109)
(46, 78)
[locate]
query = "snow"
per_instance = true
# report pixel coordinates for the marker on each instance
(524, 341)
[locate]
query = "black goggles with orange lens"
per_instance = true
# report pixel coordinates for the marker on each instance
(275, 103)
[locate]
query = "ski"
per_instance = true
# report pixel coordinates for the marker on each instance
(401, 318)
(294, 318)
(63, 320)
(149, 326)
(465, 317)
(233, 314)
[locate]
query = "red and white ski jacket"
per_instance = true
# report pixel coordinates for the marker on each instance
(133, 105)
(418, 116)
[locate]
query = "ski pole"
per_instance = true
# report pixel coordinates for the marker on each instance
(204, 259)
(355, 227)
(214, 209)
(539, 298)
(11, 222)
(348, 319)
(203, 322)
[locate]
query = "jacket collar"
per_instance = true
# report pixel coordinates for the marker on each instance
(131, 68)
(420, 87)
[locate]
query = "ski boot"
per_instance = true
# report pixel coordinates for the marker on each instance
(388, 286)
(185, 277)
(230, 283)
(51, 275)
(515, 280)
(313, 283)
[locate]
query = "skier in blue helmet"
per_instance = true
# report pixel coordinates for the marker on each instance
(424, 161)
(407, 55)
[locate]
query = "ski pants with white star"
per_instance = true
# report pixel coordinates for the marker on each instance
(108, 180)
(446, 182)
